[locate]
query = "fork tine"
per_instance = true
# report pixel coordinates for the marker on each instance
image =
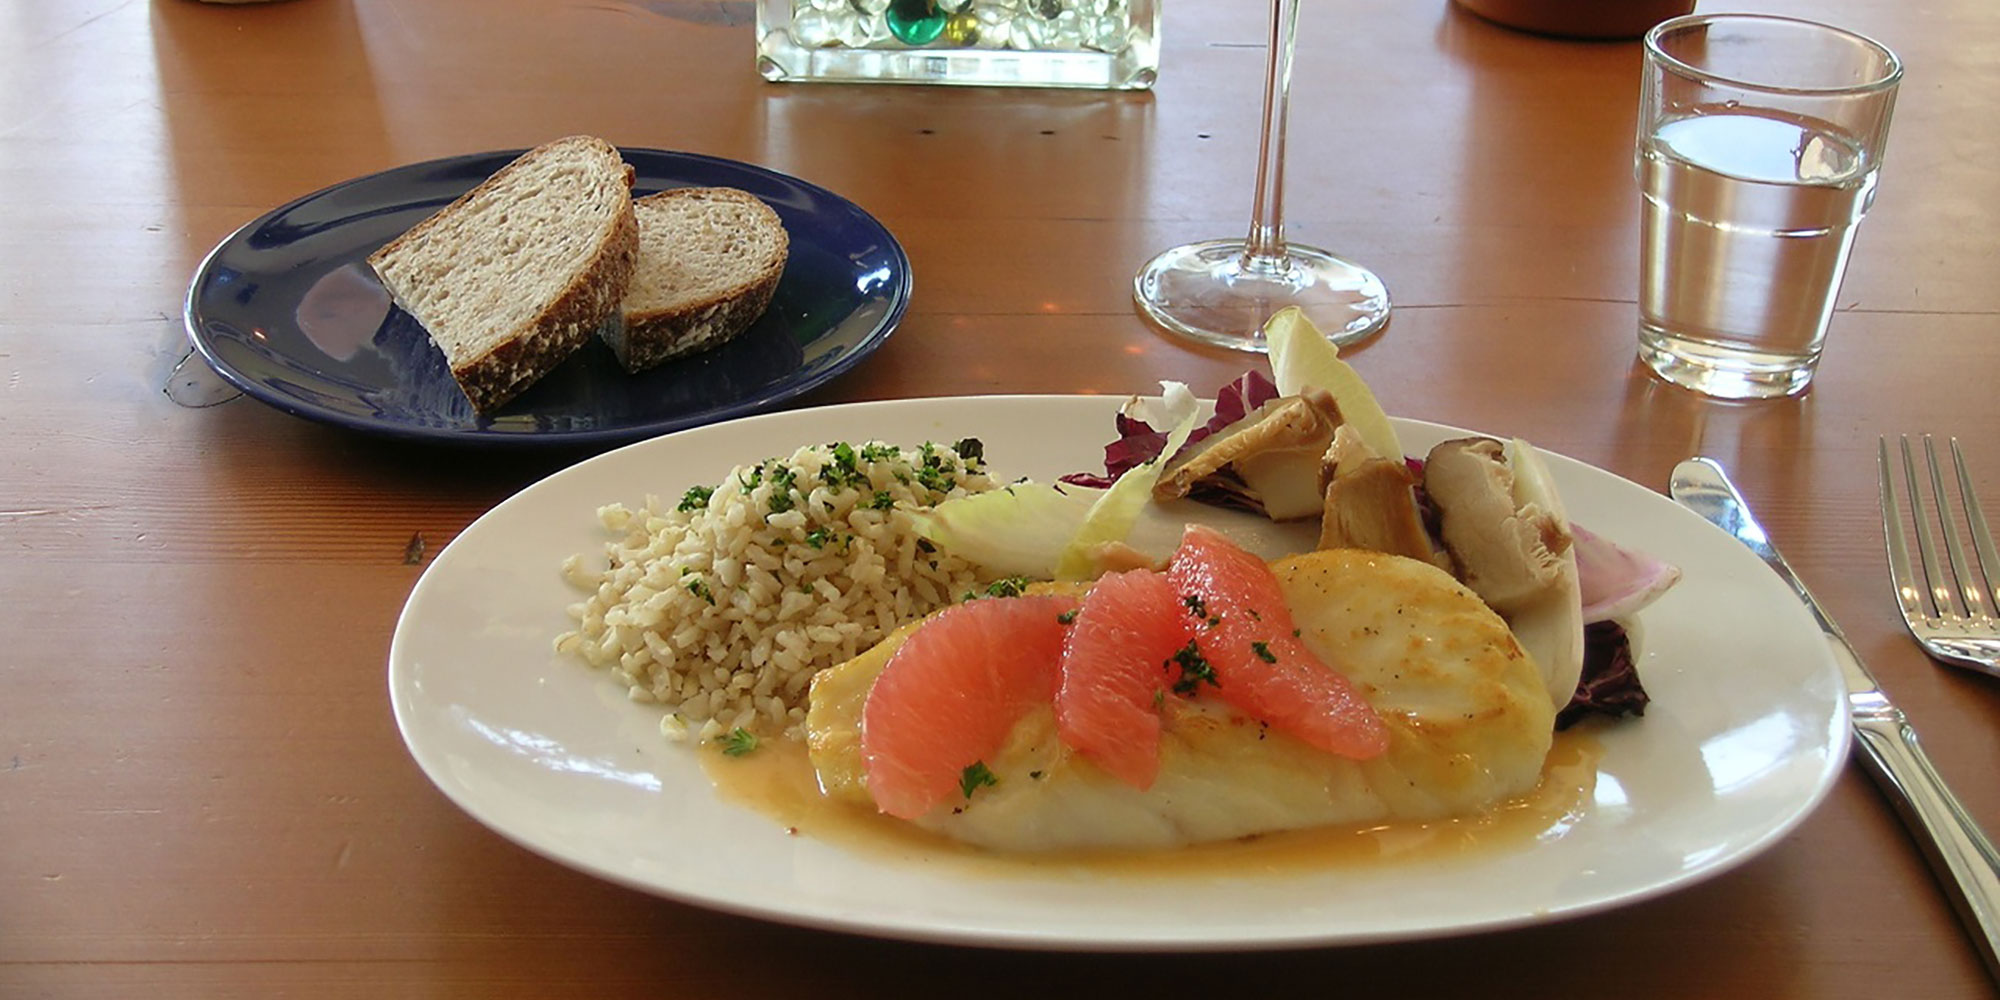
(1934, 581)
(1969, 591)
(1892, 534)
(1982, 537)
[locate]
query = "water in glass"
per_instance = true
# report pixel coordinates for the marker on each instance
(1747, 224)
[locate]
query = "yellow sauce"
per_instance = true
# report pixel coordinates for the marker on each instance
(777, 779)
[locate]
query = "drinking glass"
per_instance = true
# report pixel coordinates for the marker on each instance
(1220, 292)
(1760, 141)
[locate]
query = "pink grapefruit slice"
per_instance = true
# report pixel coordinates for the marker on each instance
(1246, 635)
(952, 691)
(1114, 672)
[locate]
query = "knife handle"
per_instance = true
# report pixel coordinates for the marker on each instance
(1959, 853)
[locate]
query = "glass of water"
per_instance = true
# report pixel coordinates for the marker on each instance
(1760, 141)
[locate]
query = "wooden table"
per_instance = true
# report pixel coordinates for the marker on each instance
(202, 792)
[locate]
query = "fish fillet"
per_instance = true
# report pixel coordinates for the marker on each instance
(1469, 719)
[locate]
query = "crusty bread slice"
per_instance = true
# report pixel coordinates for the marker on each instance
(516, 274)
(709, 259)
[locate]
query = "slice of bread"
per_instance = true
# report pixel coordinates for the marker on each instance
(709, 259)
(519, 272)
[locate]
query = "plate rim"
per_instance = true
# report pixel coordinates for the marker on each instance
(899, 298)
(965, 933)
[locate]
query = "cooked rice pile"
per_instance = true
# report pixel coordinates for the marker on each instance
(722, 607)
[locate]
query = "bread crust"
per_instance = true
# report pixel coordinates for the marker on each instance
(495, 378)
(642, 339)
(492, 379)
(663, 335)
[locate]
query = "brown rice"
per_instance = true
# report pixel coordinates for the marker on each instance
(722, 607)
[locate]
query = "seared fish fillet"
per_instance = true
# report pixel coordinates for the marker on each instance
(1469, 719)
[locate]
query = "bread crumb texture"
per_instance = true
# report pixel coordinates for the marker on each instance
(709, 261)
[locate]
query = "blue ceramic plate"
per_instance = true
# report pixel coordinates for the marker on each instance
(287, 310)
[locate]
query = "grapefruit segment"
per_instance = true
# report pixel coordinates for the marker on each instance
(951, 693)
(1245, 633)
(1113, 672)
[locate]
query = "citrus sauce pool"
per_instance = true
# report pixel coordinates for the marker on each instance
(777, 780)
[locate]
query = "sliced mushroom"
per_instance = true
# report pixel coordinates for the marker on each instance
(1371, 503)
(1269, 461)
(1503, 523)
(1551, 629)
(1510, 553)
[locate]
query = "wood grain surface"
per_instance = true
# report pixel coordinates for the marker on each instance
(202, 791)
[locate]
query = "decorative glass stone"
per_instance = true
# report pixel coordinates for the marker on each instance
(1107, 34)
(854, 30)
(916, 22)
(812, 28)
(962, 29)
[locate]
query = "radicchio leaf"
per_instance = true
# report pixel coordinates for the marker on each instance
(1610, 683)
(1237, 400)
(1138, 442)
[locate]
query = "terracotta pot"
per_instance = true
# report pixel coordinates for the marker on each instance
(1579, 18)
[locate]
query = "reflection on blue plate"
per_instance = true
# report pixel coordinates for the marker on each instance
(287, 311)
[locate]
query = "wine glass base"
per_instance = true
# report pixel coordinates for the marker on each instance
(1211, 292)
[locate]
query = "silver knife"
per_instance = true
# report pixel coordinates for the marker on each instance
(1958, 851)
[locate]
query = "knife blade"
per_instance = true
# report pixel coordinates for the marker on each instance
(1958, 851)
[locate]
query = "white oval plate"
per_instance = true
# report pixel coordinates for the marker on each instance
(1745, 735)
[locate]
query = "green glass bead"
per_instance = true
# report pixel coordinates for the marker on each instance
(916, 22)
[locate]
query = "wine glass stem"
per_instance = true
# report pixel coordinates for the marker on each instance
(1264, 250)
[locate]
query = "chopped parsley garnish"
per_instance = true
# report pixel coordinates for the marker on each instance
(1067, 617)
(1007, 586)
(784, 479)
(1200, 610)
(882, 501)
(1263, 651)
(844, 470)
(817, 538)
(879, 452)
(695, 498)
(935, 479)
(972, 450)
(739, 742)
(698, 587)
(1194, 670)
(975, 775)
(934, 471)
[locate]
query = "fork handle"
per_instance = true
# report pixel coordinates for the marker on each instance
(1959, 853)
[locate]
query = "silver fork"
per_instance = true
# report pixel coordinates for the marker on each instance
(1952, 615)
